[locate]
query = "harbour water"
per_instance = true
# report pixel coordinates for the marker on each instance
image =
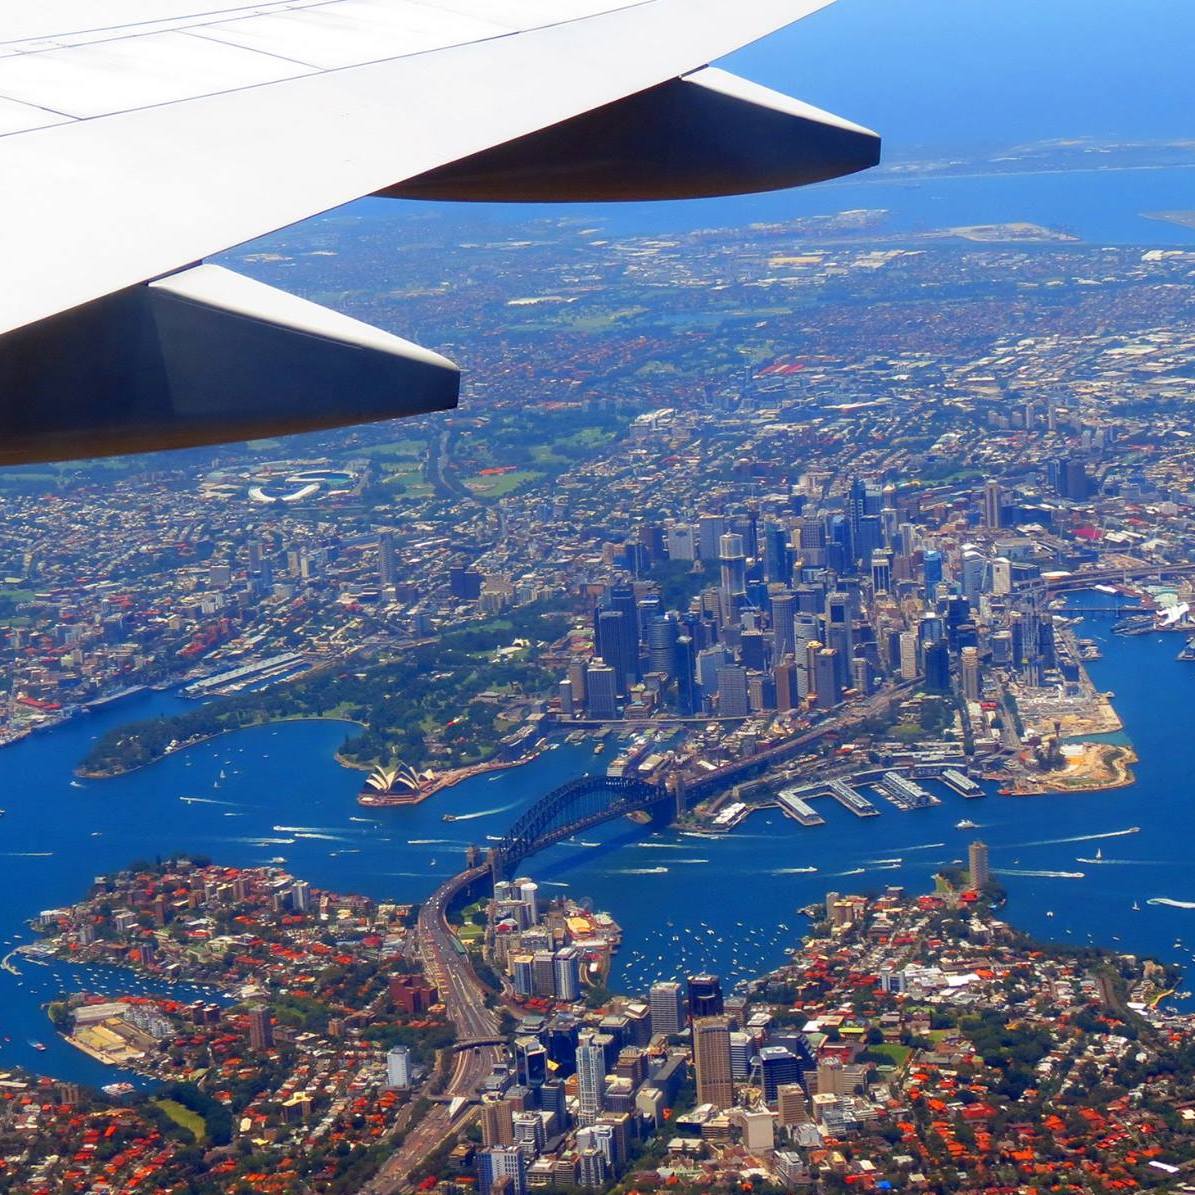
(726, 904)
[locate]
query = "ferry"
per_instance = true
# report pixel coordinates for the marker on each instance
(37, 1045)
(966, 824)
(448, 817)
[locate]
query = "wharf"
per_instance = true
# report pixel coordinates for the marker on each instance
(796, 808)
(905, 794)
(962, 784)
(851, 799)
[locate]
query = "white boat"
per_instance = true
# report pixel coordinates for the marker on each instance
(966, 824)
(1136, 907)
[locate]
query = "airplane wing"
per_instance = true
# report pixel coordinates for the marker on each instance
(138, 137)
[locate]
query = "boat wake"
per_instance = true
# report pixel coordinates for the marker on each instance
(264, 841)
(793, 871)
(662, 846)
(1043, 875)
(206, 801)
(922, 846)
(323, 837)
(640, 871)
(858, 871)
(27, 854)
(893, 862)
(1083, 837)
(1171, 904)
(436, 842)
(468, 817)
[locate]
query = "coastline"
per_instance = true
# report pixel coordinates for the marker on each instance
(449, 779)
(117, 773)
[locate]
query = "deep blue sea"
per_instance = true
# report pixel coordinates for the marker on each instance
(684, 902)
(951, 79)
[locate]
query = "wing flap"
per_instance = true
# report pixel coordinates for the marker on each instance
(710, 133)
(202, 357)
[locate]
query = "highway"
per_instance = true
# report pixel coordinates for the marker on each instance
(464, 995)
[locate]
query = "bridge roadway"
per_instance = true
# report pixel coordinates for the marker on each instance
(464, 996)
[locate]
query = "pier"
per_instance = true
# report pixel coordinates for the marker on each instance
(851, 799)
(962, 784)
(905, 794)
(797, 808)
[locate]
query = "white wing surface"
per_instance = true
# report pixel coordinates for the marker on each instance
(138, 137)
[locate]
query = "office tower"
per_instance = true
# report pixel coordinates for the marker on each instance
(562, 1036)
(261, 1030)
(710, 529)
(856, 508)
(622, 598)
(825, 678)
(778, 1066)
(300, 896)
(741, 1049)
(705, 996)
(861, 675)
(576, 680)
(711, 1056)
(992, 503)
(709, 661)
(591, 1079)
(969, 673)
(398, 1067)
(530, 1136)
(753, 650)
(881, 571)
(614, 643)
(568, 973)
(732, 692)
(543, 971)
(688, 698)
(387, 565)
(522, 974)
(501, 1170)
(465, 583)
(553, 1098)
(662, 634)
(792, 1104)
(529, 894)
(784, 679)
(777, 560)
(1001, 645)
(840, 632)
(937, 667)
(977, 858)
(974, 571)
(784, 609)
(497, 1123)
(667, 1008)
(931, 565)
(591, 1169)
(531, 1062)
(733, 562)
(681, 543)
(908, 655)
(601, 688)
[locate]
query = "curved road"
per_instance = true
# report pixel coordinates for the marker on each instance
(464, 995)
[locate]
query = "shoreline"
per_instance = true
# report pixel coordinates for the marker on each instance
(116, 774)
(371, 800)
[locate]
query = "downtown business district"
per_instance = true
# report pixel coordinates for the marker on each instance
(846, 566)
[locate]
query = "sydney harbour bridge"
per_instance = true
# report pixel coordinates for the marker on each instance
(573, 807)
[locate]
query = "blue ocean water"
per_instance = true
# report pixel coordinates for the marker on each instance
(728, 904)
(963, 79)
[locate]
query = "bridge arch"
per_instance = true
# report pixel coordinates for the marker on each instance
(571, 808)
